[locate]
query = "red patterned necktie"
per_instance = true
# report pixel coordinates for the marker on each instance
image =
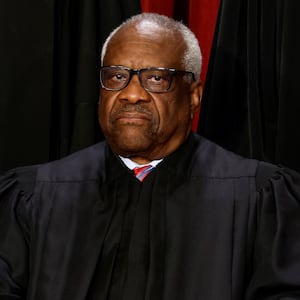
(141, 172)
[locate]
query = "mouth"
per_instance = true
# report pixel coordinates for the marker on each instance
(133, 118)
(130, 114)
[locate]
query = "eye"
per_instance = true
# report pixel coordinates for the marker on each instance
(158, 79)
(118, 76)
(114, 78)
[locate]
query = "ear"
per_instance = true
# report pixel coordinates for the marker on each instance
(196, 91)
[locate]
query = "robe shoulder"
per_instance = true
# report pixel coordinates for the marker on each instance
(211, 160)
(86, 164)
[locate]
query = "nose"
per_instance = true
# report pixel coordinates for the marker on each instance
(134, 92)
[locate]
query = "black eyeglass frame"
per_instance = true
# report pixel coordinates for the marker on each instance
(137, 72)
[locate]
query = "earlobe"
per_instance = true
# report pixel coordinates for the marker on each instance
(196, 97)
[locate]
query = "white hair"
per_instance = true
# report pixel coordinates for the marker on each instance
(192, 58)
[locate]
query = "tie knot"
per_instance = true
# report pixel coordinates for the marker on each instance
(141, 172)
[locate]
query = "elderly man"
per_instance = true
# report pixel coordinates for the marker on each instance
(155, 211)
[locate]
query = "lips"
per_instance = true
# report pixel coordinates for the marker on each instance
(133, 114)
(131, 118)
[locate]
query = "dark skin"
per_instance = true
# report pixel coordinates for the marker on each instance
(141, 125)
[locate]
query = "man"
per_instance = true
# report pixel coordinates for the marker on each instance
(198, 223)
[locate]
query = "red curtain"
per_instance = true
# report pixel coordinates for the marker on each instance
(201, 19)
(165, 7)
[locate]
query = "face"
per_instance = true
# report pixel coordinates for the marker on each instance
(139, 124)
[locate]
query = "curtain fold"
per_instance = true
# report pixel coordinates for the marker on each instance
(165, 7)
(250, 102)
(26, 39)
(48, 77)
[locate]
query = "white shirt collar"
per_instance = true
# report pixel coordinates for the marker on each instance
(131, 164)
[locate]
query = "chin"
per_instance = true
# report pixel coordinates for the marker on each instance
(133, 137)
(132, 149)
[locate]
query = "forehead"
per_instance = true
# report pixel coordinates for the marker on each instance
(145, 45)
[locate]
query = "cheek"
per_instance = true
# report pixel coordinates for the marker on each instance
(104, 108)
(173, 111)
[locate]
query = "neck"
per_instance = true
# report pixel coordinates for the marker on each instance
(140, 160)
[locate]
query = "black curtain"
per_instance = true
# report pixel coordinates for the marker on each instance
(49, 52)
(251, 101)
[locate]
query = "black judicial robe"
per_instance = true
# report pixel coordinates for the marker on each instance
(205, 224)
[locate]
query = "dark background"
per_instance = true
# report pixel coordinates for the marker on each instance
(49, 54)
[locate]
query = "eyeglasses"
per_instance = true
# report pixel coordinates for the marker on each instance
(156, 80)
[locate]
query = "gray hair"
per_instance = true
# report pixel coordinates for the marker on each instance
(192, 58)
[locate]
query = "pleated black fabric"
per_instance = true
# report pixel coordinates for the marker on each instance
(48, 77)
(250, 102)
(210, 225)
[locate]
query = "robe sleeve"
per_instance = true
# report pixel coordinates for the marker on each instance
(276, 262)
(15, 201)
